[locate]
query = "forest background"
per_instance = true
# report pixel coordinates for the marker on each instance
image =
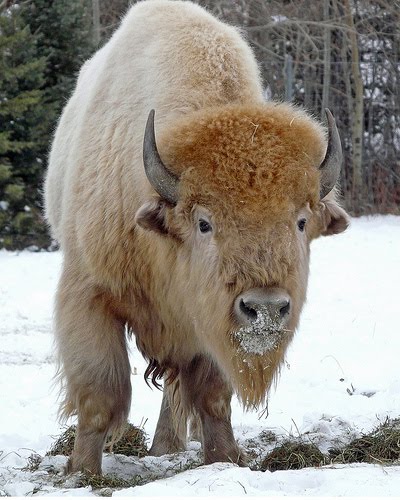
(341, 54)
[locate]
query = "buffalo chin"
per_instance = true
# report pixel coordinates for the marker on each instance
(255, 366)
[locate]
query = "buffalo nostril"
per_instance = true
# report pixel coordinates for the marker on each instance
(284, 310)
(249, 312)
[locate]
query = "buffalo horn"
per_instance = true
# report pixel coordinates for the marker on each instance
(162, 180)
(330, 167)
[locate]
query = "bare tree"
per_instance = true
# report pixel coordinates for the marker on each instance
(327, 59)
(356, 97)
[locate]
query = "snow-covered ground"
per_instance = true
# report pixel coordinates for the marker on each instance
(341, 378)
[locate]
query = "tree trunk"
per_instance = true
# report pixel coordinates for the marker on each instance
(327, 61)
(357, 120)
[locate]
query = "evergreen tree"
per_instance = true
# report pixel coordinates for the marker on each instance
(43, 43)
(23, 124)
(64, 31)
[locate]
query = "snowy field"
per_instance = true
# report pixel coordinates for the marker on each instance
(342, 378)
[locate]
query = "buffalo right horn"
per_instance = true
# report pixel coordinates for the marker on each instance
(163, 181)
(330, 167)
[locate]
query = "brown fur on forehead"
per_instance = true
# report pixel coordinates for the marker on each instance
(262, 157)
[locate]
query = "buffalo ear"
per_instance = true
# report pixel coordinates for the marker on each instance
(151, 216)
(335, 219)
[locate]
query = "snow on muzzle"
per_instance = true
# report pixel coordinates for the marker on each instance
(263, 314)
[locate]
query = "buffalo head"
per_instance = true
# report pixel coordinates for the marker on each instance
(241, 192)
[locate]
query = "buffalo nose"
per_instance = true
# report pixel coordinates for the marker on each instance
(274, 301)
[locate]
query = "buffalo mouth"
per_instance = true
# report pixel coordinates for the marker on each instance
(264, 333)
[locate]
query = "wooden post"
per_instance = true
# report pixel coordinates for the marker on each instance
(96, 22)
(288, 70)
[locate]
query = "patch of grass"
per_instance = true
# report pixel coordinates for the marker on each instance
(268, 437)
(382, 445)
(131, 443)
(33, 462)
(108, 481)
(293, 455)
(64, 444)
(106, 484)
(254, 447)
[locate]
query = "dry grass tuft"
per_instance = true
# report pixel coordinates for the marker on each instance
(33, 462)
(382, 445)
(131, 443)
(98, 482)
(293, 455)
(64, 443)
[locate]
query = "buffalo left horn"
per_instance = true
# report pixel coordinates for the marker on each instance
(162, 180)
(330, 167)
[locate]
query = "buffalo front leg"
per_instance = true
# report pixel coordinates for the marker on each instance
(171, 430)
(94, 367)
(209, 395)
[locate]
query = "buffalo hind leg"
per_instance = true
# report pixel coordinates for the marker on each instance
(205, 390)
(171, 430)
(94, 368)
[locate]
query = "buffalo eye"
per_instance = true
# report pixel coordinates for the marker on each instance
(204, 226)
(301, 224)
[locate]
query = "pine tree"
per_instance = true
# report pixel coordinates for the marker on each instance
(64, 31)
(43, 43)
(23, 125)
